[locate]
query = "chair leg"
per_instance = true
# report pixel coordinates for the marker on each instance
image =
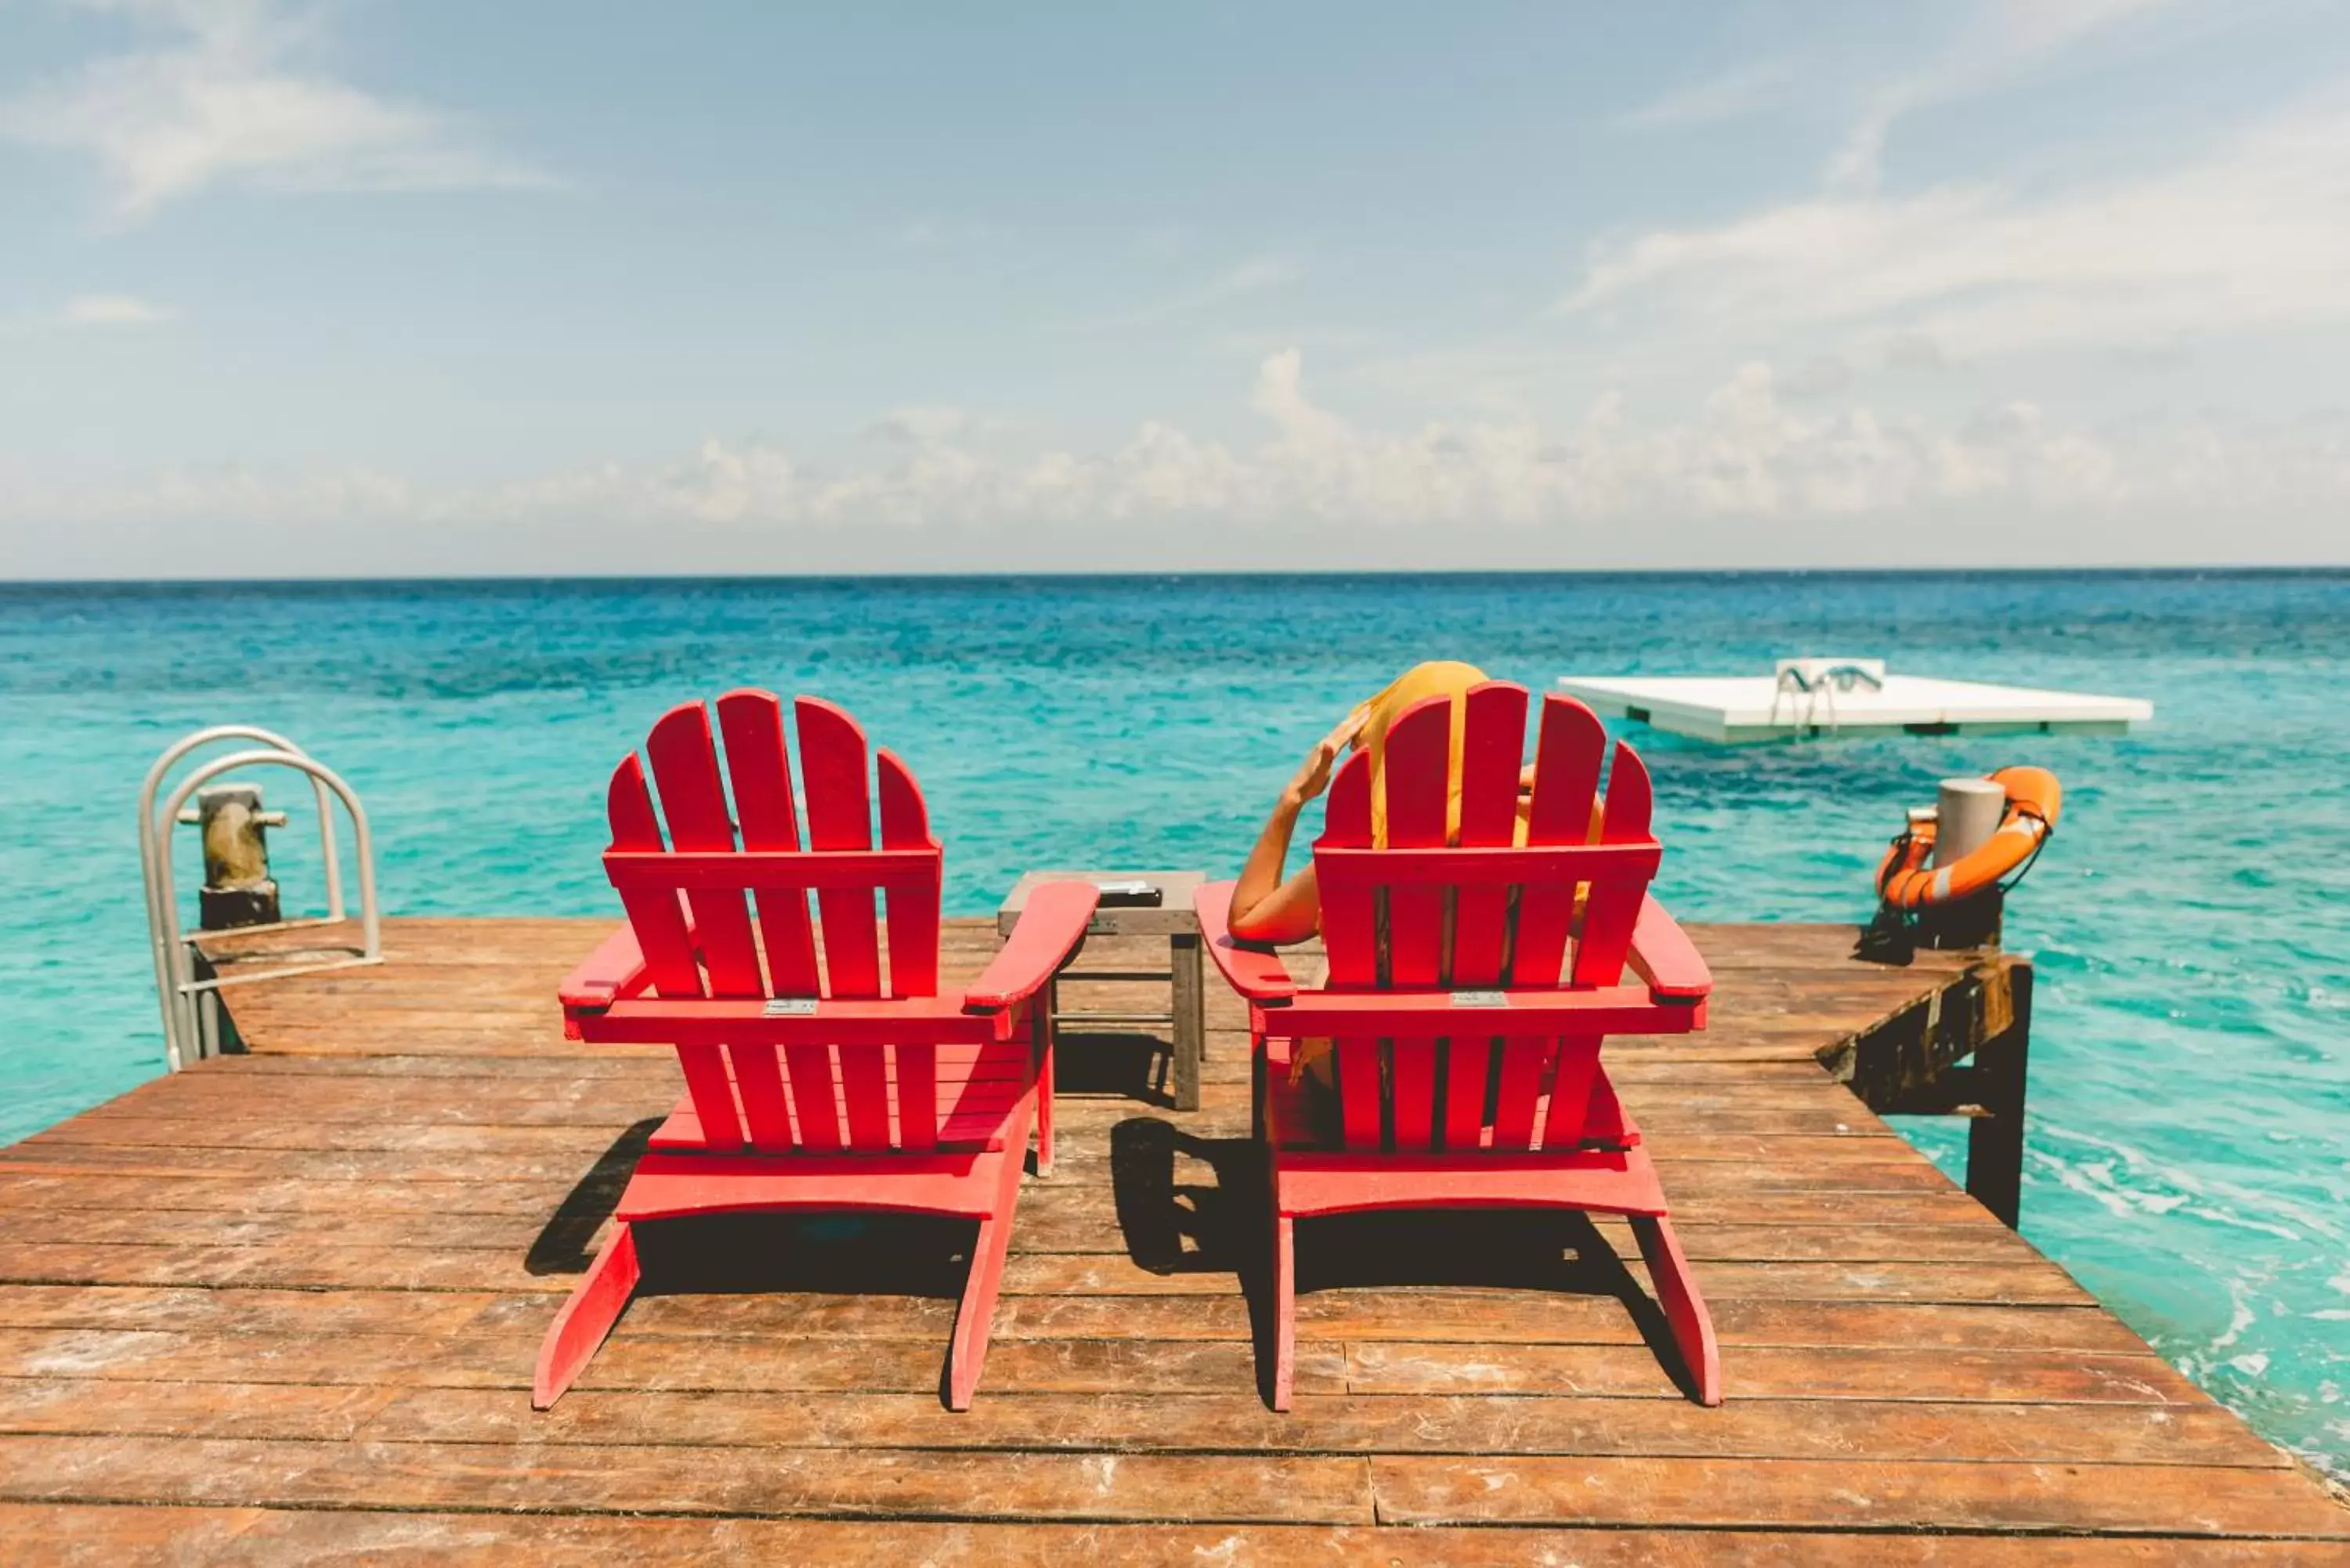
(1044, 1083)
(596, 1304)
(1676, 1292)
(1285, 1241)
(968, 1352)
(1285, 1308)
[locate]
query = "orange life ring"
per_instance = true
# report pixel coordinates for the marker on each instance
(1906, 881)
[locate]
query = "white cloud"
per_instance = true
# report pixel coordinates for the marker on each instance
(1733, 94)
(2008, 41)
(1995, 45)
(215, 93)
(1745, 458)
(114, 310)
(2254, 233)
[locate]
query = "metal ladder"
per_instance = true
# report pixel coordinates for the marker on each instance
(1795, 683)
(191, 1026)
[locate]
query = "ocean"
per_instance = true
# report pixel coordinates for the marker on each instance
(2190, 1148)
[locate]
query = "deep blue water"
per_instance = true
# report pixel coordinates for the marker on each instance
(2190, 1139)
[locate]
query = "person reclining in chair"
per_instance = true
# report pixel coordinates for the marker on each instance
(1268, 908)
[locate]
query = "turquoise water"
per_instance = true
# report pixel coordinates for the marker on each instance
(2190, 1143)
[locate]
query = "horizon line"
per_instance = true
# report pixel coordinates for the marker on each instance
(2313, 569)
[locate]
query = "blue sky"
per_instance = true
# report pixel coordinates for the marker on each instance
(371, 287)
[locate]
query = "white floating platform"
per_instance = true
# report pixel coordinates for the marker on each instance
(1735, 708)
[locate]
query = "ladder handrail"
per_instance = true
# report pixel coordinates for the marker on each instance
(154, 845)
(175, 984)
(150, 838)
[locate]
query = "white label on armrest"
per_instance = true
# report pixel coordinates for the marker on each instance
(790, 1007)
(1480, 999)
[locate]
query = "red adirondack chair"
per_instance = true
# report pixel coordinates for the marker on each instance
(1465, 1008)
(808, 1087)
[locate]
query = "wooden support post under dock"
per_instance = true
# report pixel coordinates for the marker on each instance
(283, 1306)
(1995, 1138)
(1912, 1065)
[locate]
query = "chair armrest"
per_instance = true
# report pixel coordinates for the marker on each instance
(1051, 928)
(1439, 1014)
(1256, 972)
(616, 969)
(756, 1020)
(1663, 955)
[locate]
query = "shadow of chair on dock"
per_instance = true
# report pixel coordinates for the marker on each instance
(1174, 1226)
(755, 1254)
(1126, 1063)
(1185, 1227)
(566, 1244)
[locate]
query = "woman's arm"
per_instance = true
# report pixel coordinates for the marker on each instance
(1265, 907)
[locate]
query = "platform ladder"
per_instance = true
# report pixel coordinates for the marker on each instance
(192, 1022)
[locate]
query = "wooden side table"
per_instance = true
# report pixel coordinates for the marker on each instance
(1174, 918)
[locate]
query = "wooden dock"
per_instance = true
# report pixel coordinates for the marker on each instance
(284, 1305)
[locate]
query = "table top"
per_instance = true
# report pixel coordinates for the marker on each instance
(1173, 915)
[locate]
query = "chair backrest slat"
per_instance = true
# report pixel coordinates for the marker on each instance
(1350, 942)
(658, 918)
(1568, 754)
(1525, 1059)
(654, 914)
(1350, 920)
(1472, 903)
(1577, 1068)
(918, 1094)
(1489, 817)
(840, 817)
(1494, 742)
(913, 914)
(693, 802)
(1615, 906)
(1583, 1106)
(817, 1096)
(758, 763)
(913, 919)
(1418, 782)
(833, 766)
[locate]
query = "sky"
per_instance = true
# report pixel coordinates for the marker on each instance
(418, 287)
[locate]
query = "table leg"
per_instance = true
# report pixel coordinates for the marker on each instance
(1190, 1032)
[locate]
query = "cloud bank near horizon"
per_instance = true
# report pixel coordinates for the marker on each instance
(1754, 458)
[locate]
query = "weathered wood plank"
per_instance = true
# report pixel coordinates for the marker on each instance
(1760, 1493)
(854, 1484)
(82, 1534)
(2004, 1377)
(1877, 1430)
(909, 1364)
